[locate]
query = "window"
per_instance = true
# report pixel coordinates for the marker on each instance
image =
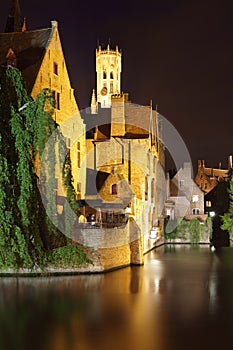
(68, 143)
(114, 189)
(111, 87)
(78, 155)
(195, 198)
(55, 68)
(196, 211)
(78, 187)
(181, 184)
(104, 75)
(208, 204)
(146, 188)
(111, 75)
(58, 101)
(56, 96)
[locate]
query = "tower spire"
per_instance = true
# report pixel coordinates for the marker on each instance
(14, 20)
(94, 107)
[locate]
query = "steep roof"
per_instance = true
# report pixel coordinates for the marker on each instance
(29, 48)
(14, 20)
(139, 121)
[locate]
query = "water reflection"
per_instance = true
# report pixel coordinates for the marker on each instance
(181, 298)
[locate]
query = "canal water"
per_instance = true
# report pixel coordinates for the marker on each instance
(182, 298)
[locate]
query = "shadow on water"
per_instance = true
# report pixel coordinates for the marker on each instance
(220, 238)
(180, 299)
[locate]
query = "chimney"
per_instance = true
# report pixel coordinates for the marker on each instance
(229, 162)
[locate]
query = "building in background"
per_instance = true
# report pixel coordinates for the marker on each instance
(38, 54)
(213, 182)
(124, 154)
(184, 198)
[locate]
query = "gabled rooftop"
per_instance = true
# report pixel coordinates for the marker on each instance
(29, 48)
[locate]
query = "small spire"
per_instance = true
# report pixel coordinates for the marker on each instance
(14, 20)
(24, 27)
(94, 105)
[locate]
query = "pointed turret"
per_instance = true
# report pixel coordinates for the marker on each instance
(14, 21)
(94, 106)
(24, 26)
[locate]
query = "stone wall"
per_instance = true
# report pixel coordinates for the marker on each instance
(115, 247)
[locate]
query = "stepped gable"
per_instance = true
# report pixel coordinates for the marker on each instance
(29, 48)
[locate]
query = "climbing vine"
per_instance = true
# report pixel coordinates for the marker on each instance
(26, 232)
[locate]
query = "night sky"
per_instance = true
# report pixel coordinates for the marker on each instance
(177, 53)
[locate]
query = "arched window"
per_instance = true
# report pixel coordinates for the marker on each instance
(111, 75)
(104, 75)
(114, 189)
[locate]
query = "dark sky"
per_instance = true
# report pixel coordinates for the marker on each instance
(177, 53)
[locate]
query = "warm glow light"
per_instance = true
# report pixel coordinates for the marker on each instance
(153, 233)
(195, 198)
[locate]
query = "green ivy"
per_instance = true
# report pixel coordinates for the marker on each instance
(69, 256)
(26, 233)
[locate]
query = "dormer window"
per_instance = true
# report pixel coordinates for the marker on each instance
(55, 68)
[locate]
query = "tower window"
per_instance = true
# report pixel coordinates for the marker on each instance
(111, 87)
(111, 75)
(55, 68)
(104, 75)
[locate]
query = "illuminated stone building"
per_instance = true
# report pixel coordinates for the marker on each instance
(207, 178)
(184, 198)
(212, 181)
(124, 158)
(108, 70)
(39, 56)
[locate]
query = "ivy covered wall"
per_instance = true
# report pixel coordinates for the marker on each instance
(26, 233)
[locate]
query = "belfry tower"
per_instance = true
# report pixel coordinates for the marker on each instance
(108, 69)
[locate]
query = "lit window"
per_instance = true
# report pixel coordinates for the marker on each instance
(195, 198)
(208, 204)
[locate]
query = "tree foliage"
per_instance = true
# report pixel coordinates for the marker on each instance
(227, 218)
(26, 233)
